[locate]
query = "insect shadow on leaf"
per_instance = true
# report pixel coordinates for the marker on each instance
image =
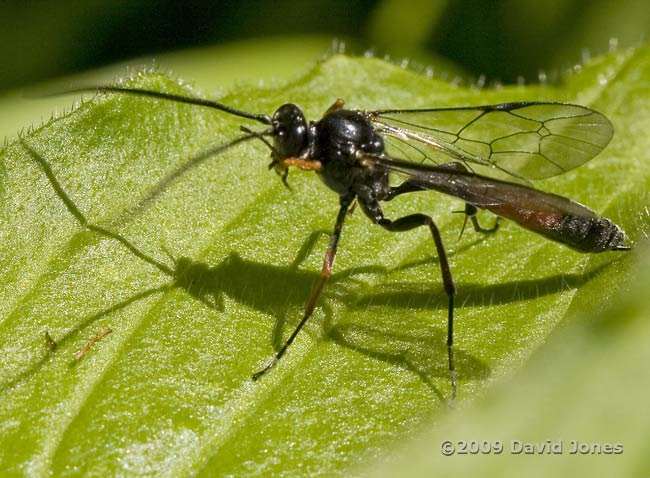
(272, 290)
(355, 154)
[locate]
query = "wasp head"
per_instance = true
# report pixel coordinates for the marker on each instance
(291, 132)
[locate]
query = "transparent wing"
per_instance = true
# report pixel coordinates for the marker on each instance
(529, 140)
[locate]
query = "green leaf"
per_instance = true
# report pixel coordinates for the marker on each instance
(579, 406)
(214, 68)
(200, 267)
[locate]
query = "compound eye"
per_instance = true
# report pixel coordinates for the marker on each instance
(279, 129)
(290, 128)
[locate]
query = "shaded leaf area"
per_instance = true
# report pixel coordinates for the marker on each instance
(115, 217)
(596, 368)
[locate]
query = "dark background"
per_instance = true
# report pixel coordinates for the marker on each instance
(503, 40)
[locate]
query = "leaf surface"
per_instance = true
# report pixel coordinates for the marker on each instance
(113, 218)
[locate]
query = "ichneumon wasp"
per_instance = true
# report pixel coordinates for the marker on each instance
(356, 152)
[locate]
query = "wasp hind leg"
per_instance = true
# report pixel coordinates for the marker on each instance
(470, 213)
(406, 223)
